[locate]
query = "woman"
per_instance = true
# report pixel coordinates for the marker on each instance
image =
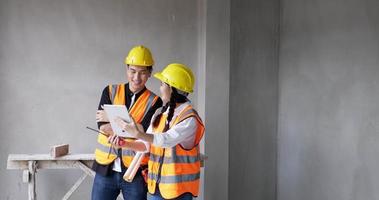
(172, 138)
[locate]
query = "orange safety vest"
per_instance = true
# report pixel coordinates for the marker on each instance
(138, 112)
(176, 170)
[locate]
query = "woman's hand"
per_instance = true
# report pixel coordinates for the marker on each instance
(135, 130)
(101, 116)
(131, 127)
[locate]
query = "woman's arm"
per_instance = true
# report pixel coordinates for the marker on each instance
(134, 130)
(182, 133)
(136, 145)
(145, 137)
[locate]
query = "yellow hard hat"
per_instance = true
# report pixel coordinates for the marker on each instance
(178, 76)
(139, 56)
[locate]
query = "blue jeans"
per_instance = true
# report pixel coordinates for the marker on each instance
(108, 187)
(157, 196)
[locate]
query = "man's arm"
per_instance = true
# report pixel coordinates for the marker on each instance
(105, 99)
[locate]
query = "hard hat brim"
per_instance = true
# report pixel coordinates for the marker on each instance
(162, 78)
(139, 65)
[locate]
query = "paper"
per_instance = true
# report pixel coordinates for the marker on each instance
(133, 167)
(114, 111)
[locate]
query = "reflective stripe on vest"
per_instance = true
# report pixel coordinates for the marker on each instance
(138, 111)
(176, 170)
(176, 178)
(176, 159)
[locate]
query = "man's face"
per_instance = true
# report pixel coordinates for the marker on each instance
(137, 77)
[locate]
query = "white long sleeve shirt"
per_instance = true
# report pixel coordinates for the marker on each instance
(182, 133)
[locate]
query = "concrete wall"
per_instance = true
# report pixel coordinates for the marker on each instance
(55, 59)
(253, 99)
(328, 110)
(217, 62)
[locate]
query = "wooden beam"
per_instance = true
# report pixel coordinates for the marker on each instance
(74, 187)
(25, 176)
(32, 180)
(31, 162)
(85, 168)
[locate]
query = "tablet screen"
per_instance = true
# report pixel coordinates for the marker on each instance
(114, 111)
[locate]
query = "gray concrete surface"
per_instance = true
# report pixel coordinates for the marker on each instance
(217, 62)
(328, 110)
(253, 99)
(315, 89)
(201, 76)
(55, 59)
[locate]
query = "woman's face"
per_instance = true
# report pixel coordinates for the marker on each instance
(165, 92)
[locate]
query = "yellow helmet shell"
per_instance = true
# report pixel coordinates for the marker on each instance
(139, 56)
(178, 76)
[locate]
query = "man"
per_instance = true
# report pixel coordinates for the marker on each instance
(111, 164)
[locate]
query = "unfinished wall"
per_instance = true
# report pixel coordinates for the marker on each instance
(217, 98)
(57, 56)
(253, 99)
(329, 114)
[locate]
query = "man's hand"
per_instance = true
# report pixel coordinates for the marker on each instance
(116, 141)
(107, 129)
(101, 116)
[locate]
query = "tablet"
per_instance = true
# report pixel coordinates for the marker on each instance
(114, 111)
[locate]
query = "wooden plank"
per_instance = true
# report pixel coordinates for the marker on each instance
(49, 157)
(17, 164)
(25, 176)
(31, 162)
(45, 161)
(20, 161)
(47, 164)
(32, 180)
(59, 150)
(74, 187)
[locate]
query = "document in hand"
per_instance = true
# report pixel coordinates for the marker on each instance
(114, 111)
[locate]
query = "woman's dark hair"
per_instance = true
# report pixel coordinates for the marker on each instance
(174, 99)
